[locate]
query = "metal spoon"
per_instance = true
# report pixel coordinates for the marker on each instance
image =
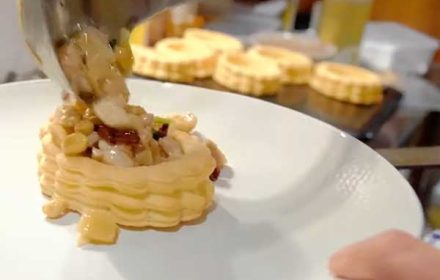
(46, 23)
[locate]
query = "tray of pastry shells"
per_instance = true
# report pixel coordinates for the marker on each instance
(349, 97)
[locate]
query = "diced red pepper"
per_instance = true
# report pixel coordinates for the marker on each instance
(115, 136)
(215, 175)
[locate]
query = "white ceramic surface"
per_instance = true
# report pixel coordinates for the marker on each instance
(296, 191)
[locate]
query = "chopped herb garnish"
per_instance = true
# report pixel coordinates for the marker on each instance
(159, 120)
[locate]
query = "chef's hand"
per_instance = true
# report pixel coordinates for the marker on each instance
(393, 255)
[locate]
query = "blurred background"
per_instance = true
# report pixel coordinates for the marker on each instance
(399, 39)
(14, 56)
(247, 18)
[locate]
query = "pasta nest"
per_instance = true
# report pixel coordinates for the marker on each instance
(217, 41)
(247, 74)
(151, 63)
(347, 83)
(106, 196)
(296, 68)
(203, 58)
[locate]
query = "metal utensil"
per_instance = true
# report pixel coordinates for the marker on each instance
(46, 23)
(411, 158)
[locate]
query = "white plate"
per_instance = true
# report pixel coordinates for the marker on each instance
(296, 191)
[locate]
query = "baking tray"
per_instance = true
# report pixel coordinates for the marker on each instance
(362, 122)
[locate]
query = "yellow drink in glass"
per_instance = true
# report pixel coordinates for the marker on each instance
(434, 216)
(289, 15)
(343, 22)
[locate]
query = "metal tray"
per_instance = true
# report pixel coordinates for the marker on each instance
(362, 122)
